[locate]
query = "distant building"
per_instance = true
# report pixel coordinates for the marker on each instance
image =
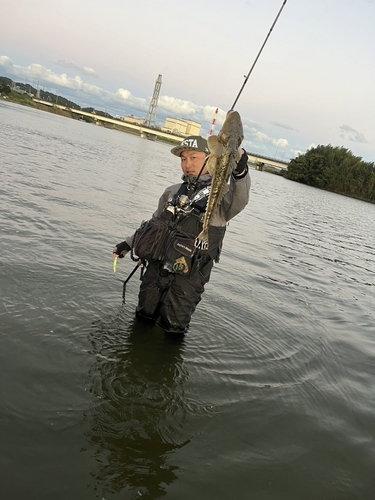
(181, 126)
(134, 120)
(192, 128)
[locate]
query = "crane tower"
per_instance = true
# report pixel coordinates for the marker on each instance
(151, 114)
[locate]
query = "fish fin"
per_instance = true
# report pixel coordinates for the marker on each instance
(225, 190)
(201, 240)
(211, 165)
(214, 145)
(220, 197)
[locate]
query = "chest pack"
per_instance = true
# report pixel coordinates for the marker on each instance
(170, 238)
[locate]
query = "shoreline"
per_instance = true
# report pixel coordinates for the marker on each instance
(75, 114)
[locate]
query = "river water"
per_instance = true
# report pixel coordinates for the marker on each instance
(270, 394)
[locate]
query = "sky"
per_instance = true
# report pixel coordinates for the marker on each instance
(314, 82)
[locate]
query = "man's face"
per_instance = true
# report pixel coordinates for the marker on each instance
(192, 162)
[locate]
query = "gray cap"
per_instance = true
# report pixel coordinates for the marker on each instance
(192, 143)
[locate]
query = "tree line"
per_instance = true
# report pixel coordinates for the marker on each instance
(5, 86)
(334, 169)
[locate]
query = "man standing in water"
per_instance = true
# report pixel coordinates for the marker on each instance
(177, 272)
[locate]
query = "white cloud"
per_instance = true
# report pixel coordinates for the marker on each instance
(65, 63)
(38, 72)
(5, 62)
(166, 104)
(177, 106)
(260, 137)
(296, 152)
(123, 94)
(125, 97)
(280, 143)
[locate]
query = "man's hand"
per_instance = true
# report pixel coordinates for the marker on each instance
(121, 249)
(242, 168)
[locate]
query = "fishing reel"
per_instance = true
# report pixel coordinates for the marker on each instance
(183, 201)
(180, 203)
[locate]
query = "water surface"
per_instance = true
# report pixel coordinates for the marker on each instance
(269, 396)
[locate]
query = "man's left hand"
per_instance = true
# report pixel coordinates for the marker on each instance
(242, 168)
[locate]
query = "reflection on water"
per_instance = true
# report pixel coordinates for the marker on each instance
(136, 421)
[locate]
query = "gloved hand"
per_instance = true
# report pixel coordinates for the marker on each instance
(242, 168)
(121, 249)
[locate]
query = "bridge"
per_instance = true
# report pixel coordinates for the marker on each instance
(149, 133)
(264, 161)
(144, 131)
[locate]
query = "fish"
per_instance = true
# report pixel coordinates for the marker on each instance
(224, 152)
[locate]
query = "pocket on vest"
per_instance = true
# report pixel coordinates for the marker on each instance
(179, 254)
(150, 240)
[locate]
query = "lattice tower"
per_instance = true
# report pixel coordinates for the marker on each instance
(151, 114)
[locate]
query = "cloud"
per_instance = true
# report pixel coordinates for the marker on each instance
(263, 138)
(37, 71)
(282, 125)
(296, 152)
(80, 90)
(299, 152)
(352, 134)
(280, 143)
(177, 106)
(125, 97)
(65, 63)
(76, 84)
(34, 71)
(123, 94)
(123, 102)
(87, 91)
(260, 137)
(5, 62)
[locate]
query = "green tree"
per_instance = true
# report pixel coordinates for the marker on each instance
(4, 87)
(334, 169)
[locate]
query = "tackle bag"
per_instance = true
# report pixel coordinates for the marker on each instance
(150, 240)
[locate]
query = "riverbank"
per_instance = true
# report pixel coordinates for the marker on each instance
(26, 100)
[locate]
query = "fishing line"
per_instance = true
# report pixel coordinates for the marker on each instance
(257, 57)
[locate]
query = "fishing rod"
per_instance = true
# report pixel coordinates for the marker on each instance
(257, 57)
(139, 263)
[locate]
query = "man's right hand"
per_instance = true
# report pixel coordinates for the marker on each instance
(121, 249)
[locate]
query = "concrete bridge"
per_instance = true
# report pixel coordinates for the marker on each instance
(264, 161)
(259, 161)
(148, 133)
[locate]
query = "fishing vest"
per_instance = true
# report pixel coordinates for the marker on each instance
(170, 237)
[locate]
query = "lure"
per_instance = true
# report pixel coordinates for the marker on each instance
(115, 264)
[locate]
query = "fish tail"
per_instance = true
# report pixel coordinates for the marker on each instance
(201, 241)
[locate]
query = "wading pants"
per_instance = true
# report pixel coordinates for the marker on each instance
(170, 299)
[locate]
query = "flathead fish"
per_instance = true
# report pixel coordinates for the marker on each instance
(224, 152)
